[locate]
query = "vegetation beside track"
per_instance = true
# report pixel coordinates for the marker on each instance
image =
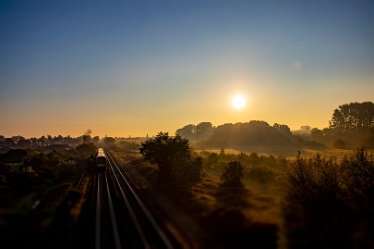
(261, 210)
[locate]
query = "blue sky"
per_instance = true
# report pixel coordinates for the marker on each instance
(133, 67)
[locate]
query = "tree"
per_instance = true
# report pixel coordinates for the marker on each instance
(239, 134)
(87, 136)
(86, 150)
(203, 130)
(167, 153)
(284, 129)
(96, 139)
(353, 116)
(16, 139)
(9, 142)
(233, 174)
(23, 143)
(187, 132)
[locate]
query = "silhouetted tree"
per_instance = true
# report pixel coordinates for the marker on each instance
(239, 134)
(9, 142)
(166, 152)
(353, 116)
(233, 173)
(23, 143)
(283, 129)
(232, 192)
(187, 132)
(203, 130)
(87, 136)
(316, 132)
(16, 139)
(86, 150)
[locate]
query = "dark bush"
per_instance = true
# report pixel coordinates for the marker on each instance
(233, 173)
(232, 229)
(173, 157)
(330, 204)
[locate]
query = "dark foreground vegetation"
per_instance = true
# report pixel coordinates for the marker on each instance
(37, 192)
(330, 204)
(252, 201)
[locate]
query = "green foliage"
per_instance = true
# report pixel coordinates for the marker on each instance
(329, 204)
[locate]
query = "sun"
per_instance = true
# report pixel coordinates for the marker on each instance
(238, 102)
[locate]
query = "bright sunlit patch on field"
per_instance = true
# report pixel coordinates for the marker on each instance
(238, 102)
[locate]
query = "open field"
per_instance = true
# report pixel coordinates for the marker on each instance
(289, 153)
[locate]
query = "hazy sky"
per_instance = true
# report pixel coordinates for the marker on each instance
(132, 67)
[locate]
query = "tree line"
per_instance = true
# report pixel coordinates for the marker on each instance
(239, 134)
(351, 126)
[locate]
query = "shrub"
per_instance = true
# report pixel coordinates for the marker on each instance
(329, 205)
(233, 173)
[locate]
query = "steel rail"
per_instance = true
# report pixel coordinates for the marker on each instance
(143, 208)
(131, 211)
(112, 216)
(98, 217)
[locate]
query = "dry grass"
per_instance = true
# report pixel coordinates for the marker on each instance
(338, 154)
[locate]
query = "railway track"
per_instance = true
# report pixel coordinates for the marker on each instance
(121, 218)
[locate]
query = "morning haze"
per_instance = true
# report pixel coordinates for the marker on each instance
(187, 124)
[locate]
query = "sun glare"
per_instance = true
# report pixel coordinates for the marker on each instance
(238, 102)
